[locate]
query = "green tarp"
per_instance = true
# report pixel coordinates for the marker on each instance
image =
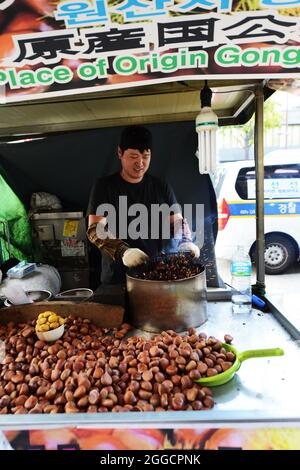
(14, 225)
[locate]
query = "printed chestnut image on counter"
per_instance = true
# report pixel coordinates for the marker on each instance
(92, 369)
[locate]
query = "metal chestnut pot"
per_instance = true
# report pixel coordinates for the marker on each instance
(155, 306)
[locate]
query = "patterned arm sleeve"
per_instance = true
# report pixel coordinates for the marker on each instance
(113, 247)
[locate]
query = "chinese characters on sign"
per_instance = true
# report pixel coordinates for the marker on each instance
(202, 30)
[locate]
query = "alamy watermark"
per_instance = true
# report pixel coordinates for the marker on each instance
(155, 222)
(2, 351)
(5, 4)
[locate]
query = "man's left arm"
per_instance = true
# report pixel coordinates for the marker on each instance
(180, 229)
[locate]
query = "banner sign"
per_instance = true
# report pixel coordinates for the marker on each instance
(60, 47)
(243, 438)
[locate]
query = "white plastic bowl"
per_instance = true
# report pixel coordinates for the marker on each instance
(51, 335)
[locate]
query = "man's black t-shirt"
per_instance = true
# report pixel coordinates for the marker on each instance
(149, 191)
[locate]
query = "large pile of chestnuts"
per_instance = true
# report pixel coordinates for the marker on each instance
(91, 369)
(170, 268)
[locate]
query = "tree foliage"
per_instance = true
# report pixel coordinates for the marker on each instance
(272, 120)
(245, 136)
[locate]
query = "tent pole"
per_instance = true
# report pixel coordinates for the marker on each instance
(259, 176)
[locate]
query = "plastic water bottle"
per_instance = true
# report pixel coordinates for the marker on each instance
(241, 281)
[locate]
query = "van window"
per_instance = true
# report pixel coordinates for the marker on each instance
(281, 182)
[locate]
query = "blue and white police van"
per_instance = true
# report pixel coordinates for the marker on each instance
(235, 188)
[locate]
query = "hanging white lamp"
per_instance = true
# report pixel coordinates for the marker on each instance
(206, 127)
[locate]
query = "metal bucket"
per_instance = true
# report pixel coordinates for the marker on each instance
(167, 305)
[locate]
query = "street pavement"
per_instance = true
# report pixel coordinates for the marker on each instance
(284, 289)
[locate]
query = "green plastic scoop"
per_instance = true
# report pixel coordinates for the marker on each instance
(224, 377)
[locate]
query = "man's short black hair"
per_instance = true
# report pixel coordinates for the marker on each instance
(136, 137)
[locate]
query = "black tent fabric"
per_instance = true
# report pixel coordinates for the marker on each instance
(68, 164)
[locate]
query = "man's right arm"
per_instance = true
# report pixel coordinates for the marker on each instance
(107, 243)
(114, 247)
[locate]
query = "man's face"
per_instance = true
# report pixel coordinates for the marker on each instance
(134, 164)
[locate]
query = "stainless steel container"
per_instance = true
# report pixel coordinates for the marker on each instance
(75, 295)
(34, 296)
(167, 305)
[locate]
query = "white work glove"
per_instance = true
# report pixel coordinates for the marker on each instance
(190, 246)
(134, 257)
